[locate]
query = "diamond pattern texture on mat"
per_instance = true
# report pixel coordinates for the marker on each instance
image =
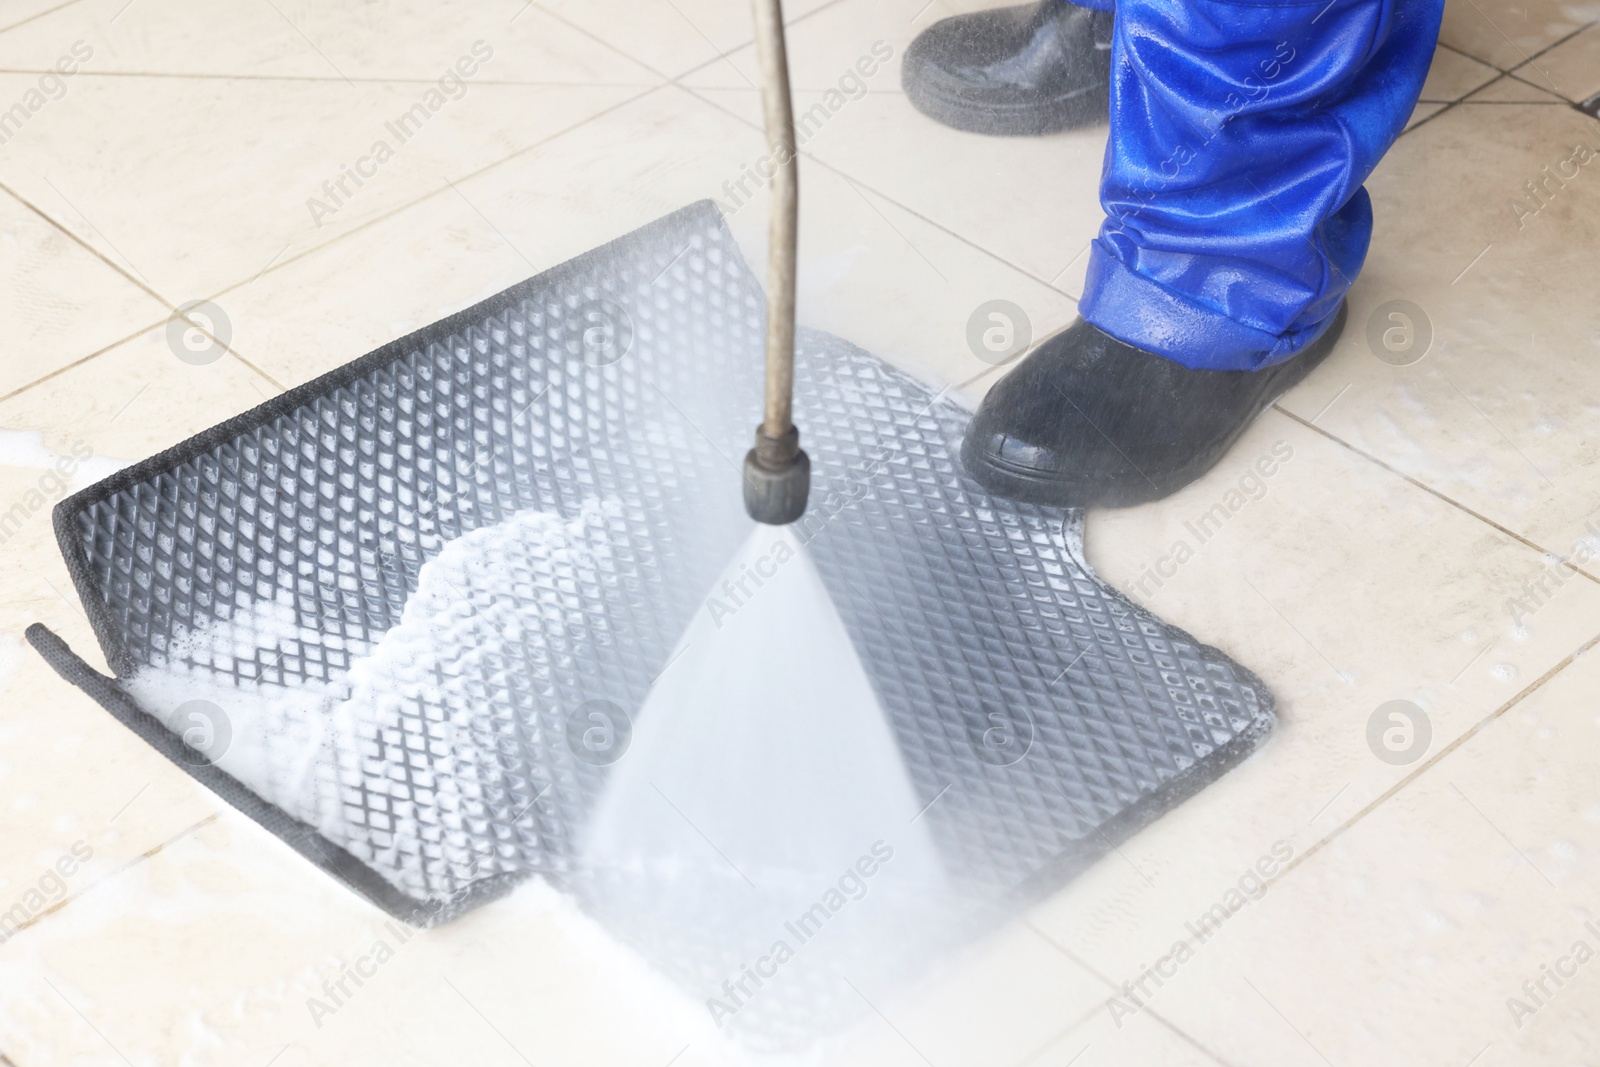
(1033, 703)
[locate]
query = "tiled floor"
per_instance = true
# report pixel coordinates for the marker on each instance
(1385, 560)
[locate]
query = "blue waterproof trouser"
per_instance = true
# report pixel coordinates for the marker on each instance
(1240, 135)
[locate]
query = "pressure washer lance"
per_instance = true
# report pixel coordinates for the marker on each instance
(777, 473)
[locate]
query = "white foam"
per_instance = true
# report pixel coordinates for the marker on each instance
(295, 745)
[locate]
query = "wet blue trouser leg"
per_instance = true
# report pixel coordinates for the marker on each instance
(1240, 135)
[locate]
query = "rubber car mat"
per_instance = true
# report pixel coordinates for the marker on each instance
(583, 428)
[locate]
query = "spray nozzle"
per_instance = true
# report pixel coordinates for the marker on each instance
(777, 478)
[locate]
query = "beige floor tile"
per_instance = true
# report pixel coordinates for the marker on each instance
(337, 303)
(163, 38)
(1423, 112)
(825, 46)
(17, 12)
(404, 41)
(216, 947)
(1453, 76)
(184, 208)
(68, 771)
(80, 797)
(231, 936)
(671, 36)
(1500, 414)
(1405, 938)
(131, 402)
(1512, 89)
(997, 1003)
(120, 407)
(1141, 1040)
(59, 301)
(1506, 34)
(1573, 65)
(1344, 587)
(969, 184)
(869, 271)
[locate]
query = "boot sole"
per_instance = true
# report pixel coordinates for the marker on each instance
(1069, 111)
(1030, 487)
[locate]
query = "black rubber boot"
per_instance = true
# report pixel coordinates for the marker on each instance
(1088, 421)
(1039, 68)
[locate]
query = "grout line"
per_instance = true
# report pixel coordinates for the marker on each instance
(39, 15)
(1338, 831)
(1033, 1054)
(697, 68)
(81, 360)
(321, 79)
(1442, 111)
(91, 249)
(1444, 752)
(1509, 76)
(1109, 984)
(1567, 100)
(607, 45)
(125, 340)
(1559, 101)
(855, 181)
(246, 361)
(236, 354)
(1543, 51)
(668, 79)
(1522, 63)
(111, 875)
(424, 198)
(1503, 72)
(1425, 487)
(1476, 59)
(407, 206)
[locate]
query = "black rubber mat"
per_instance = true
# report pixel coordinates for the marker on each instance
(258, 566)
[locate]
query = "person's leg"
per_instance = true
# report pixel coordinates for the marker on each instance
(1235, 224)
(1241, 134)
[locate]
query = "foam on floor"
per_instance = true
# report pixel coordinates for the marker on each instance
(26, 448)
